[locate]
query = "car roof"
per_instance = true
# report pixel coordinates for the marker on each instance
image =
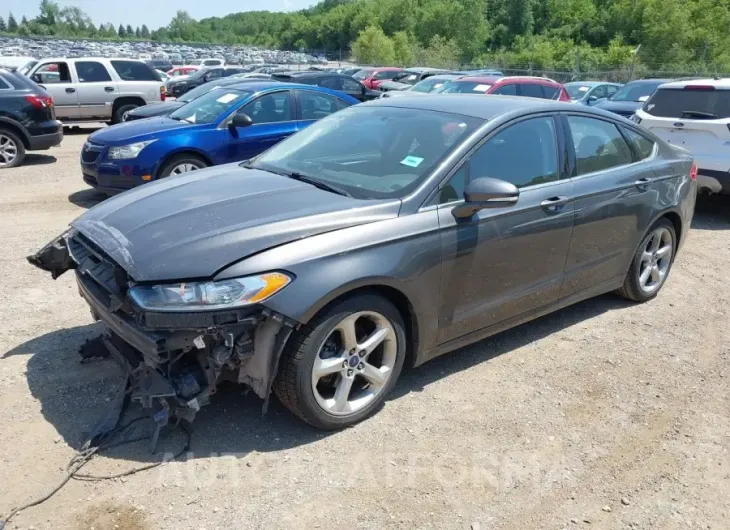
(486, 79)
(649, 81)
(260, 86)
(587, 83)
(723, 83)
(424, 69)
(475, 106)
(439, 77)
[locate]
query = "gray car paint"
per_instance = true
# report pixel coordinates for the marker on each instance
(460, 281)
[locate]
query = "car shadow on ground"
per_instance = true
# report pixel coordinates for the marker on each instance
(75, 396)
(35, 159)
(87, 198)
(712, 213)
(75, 130)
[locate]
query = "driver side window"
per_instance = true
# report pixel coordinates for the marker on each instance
(524, 154)
(270, 108)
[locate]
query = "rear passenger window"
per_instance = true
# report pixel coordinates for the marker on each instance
(316, 106)
(506, 90)
(644, 147)
(134, 71)
(551, 92)
(598, 145)
(91, 72)
(531, 90)
(333, 83)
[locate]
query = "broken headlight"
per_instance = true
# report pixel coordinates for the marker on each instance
(223, 294)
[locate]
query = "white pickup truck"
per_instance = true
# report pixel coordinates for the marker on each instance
(97, 89)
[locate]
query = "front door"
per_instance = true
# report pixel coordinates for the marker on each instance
(610, 188)
(56, 78)
(95, 88)
(506, 261)
(273, 120)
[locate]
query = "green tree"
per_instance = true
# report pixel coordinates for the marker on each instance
(137, 33)
(121, 32)
(145, 32)
(519, 17)
(373, 47)
(12, 24)
(3, 25)
(402, 49)
(23, 21)
(442, 52)
(49, 13)
(129, 31)
(300, 44)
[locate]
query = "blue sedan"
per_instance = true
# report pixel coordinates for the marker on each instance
(590, 92)
(228, 124)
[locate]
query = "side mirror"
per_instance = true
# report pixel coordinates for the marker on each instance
(241, 119)
(592, 99)
(485, 192)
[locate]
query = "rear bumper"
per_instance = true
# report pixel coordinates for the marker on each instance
(41, 142)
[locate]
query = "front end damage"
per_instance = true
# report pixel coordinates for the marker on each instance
(176, 360)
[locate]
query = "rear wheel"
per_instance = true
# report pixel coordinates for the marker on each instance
(339, 370)
(651, 264)
(180, 164)
(12, 150)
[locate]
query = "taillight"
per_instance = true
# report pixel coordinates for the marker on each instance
(693, 172)
(38, 101)
(163, 94)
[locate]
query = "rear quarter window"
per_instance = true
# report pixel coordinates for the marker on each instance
(134, 71)
(689, 104)
(643, 146)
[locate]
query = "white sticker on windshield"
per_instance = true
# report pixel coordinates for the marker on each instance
(227, 98)
(481, 88)
(643, 98)
(412, 161)
(583, 89)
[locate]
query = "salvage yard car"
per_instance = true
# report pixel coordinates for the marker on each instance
(322, 266)
(228, 124)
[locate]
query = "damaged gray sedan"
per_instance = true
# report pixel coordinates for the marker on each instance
(386, 233)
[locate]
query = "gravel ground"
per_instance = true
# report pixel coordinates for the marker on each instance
(603, 415)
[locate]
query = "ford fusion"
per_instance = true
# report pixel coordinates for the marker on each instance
(387, 233)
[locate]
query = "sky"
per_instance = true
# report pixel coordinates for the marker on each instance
(151, 12)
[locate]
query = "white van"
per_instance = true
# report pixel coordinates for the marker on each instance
(695, 115)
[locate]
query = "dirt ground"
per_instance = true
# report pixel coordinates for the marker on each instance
(603, 415)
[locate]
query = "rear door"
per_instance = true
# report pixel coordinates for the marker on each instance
(613, 188)
(273, 116)
(696, 118)
(56, 78)
(530, 90)
(95, 89)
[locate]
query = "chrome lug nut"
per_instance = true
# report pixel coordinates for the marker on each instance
(349, 373)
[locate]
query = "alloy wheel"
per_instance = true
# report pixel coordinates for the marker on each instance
(354, 363)
(655, 260)
(183, 168)
(8, 150)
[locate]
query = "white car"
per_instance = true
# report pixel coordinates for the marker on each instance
(695, 115)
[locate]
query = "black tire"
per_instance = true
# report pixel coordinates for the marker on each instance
(293, 384)
(631, 288)
(121, 111)
(185, 158)
(14, 139)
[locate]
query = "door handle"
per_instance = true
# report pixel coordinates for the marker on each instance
(70, 90)
(554, 204)
(109, 88)
(643, 183)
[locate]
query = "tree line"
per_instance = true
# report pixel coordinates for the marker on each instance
(671, 35)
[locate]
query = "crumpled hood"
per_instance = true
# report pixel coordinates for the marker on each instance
(192, 226)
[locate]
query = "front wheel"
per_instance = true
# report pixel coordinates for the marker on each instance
(651, 263)
(12, 150)
(182, 164)
(339, 370)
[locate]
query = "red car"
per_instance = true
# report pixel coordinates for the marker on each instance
(182, 70)
(372, 77)
(531, 87)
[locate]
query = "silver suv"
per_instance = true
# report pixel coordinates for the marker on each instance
(97, 89)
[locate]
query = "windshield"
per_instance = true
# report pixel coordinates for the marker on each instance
(698, 103)
(370, 152)
(577, 90)
(26, 67)
(429, 85)
(635, 91)
(464, 87)
(362, 74)
(406, 77)
(208, 107)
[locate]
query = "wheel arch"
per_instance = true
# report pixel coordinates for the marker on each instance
(187, 150)
(393, 294)
(15, 127)
(676, 221)
(125, 100)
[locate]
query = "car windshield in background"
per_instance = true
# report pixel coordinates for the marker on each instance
(370, 152)
(464, 87)
(197, 92)
(689, 103)
(427, 85)
(362, 74)
(576, 90)
(635, 92)
(208, 107)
